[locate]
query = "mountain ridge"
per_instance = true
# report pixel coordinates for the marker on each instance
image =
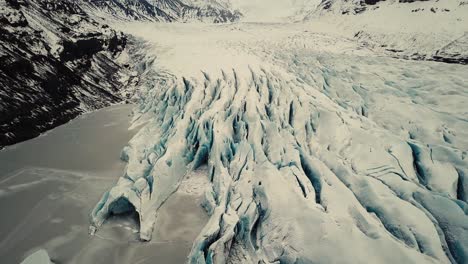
(60, 58)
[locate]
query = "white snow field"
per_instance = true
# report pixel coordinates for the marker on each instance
(319, 150)
(413, 29)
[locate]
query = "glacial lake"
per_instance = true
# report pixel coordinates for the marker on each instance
(49, 185)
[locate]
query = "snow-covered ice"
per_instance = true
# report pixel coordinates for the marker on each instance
(319, 149)
(38, 257)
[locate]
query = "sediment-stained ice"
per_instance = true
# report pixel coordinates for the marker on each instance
(313, 156)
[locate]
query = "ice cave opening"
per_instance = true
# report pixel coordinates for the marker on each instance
(123, 209)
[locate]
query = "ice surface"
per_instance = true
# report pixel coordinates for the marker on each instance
(318, 150)
(38, 257)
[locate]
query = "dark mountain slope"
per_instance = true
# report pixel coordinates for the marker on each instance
(57, 57)
(129, 10)
(55, 63)
(162, 10)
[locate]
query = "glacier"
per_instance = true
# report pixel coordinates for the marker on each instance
(39, 257)
(270, 131)
(319, 149)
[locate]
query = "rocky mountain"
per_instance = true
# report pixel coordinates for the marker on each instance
(409, 29)
(56, 62)
(219, 11)
(164, 10)
(58, 58)
(128, 10)
(359, 6)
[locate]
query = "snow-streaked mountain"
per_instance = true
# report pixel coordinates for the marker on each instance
(358, 6)
(59, 57)
(272, 10)
(421, 30)
(130, 10)
(220, 10)
(55, 62)
(164, 10)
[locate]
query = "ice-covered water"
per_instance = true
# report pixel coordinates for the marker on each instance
(48, 186)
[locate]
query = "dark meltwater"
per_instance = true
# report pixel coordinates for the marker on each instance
(49, 185)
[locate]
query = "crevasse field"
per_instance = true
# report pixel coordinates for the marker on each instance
(318, 148)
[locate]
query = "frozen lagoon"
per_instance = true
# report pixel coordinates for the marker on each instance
(48, 186)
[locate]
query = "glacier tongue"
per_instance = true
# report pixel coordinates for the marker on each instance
(302, 168)
(39, 257)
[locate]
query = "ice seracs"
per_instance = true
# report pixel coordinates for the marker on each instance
(314, 154)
